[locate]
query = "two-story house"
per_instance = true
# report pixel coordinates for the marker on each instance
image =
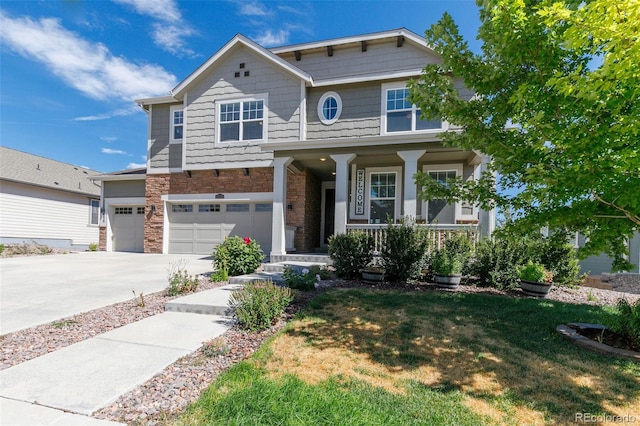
(289, 145)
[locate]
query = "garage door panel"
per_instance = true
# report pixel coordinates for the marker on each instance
(128, 228)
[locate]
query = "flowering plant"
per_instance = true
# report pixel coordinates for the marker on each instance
(247, 240)
(239, 256)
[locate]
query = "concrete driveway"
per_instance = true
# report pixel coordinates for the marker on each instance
(36, 290)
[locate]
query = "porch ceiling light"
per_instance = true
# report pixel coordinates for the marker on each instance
(323, 159)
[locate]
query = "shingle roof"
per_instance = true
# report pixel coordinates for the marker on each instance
(18, 166)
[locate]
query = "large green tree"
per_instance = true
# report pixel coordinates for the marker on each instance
(556, 106)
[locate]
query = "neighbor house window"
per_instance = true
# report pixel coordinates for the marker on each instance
(94, 218)
(177, 124)
(399, 114)
(329, 108)
(241, 120)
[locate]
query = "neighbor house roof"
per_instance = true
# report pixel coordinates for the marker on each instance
(127, 174)
(21, 167)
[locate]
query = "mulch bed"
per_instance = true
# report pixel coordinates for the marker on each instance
(609, 338)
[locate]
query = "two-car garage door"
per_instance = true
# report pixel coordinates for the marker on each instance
(199, 227)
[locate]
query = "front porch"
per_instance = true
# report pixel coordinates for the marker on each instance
(319, 193)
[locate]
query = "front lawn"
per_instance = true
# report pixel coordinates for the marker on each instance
(359, 357)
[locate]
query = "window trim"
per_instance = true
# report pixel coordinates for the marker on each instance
(172, 125)
(91, 207)
(458, 168)
(399, 194)
(383, 112)
(265, 118)
(320, 108)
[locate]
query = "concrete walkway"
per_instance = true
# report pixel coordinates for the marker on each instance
(66, 386)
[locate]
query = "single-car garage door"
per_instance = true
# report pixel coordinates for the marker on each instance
(199, 227)
(128, 228)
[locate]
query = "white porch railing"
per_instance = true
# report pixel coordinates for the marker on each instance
(436, 234)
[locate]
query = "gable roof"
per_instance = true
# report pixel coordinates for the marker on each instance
(127, 174)
(240, 40)
(21, 167)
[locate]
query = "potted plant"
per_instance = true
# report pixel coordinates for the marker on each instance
(446, 268)
(373, 274)
(535, 280)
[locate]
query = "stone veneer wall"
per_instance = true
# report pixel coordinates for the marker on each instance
(102, 238)
(304, 195)
(200, 182)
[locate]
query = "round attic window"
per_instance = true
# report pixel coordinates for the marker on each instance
(329, 108)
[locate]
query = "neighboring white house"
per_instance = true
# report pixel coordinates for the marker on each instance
(47, 201)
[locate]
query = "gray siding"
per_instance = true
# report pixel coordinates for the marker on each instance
(162, 154)
(351, 61)
(123, 189)
(360, 112)
(283, 105)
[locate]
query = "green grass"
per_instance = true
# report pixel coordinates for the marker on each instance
(360, 357)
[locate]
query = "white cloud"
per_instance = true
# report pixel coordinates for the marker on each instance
(88, 67)
(170, 33)
(165, 10)
(136, 165)
(113, 151)
(108, 138)
(253, 9)
(96, 117)
(270, 38)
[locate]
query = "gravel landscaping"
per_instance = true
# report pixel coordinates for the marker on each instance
(168, 393)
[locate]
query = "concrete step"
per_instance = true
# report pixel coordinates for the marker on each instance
(208, 302)
(275, 277)
(280, 266)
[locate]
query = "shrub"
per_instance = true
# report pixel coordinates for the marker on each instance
(258, 304)
(559, 257)
(239, 256)
(625, 320)
(2, 248)
(179, 279)
(403, 251)
(304, 278)
(445, 263)
(93, 246)
(215, 347)
(535, 272)
(350, 253)
(219, 275)
(496, 261)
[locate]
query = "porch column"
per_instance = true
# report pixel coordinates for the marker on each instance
(410, 159)
(487, 217)
(278, 242)
(342, 191)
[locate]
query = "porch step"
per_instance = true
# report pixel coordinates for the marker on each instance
(280, 266)
(275, 277)
(310, 257)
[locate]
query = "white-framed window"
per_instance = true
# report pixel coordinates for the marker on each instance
(384, 193)
(94, 214)
(399, 114)
(208, 208)
(438, 210)
(177, 124)
(241, 120)
(124, 210)
(182, 208)
(237, 208)
(329, 108)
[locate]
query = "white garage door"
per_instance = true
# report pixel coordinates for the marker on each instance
(128, 228)
(198, 228)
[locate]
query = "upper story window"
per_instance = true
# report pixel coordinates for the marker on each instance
(399, 114)
(329, 107)
(177, 124)
(241, 120)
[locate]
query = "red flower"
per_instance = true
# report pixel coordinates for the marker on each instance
(247, 240)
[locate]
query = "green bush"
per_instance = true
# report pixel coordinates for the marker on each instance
(2, 248)
(535, 272)
(180, 281)
(624, 319)
(559, 257)
(445, 263)
(238, 256)
(93, 246)
(350, 253)
(304, 279)
(259, 304)
(496, 261)
(403, 251)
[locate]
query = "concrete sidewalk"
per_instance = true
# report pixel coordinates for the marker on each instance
(72, 383)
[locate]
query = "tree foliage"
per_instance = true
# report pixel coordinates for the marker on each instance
(556, 105)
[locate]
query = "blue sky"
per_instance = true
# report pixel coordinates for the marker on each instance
(70, 70)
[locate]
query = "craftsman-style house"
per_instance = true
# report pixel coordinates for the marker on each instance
(288, 145)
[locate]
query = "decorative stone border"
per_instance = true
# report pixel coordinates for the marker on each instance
(571, 334)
